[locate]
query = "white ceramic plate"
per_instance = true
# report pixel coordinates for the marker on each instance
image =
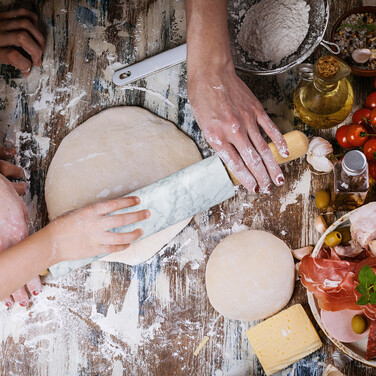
(356, 350)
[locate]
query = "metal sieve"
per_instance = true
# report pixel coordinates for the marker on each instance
(318, 21)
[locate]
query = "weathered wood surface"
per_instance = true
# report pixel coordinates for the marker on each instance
(111, 319)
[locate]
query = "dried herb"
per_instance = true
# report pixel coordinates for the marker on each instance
(360, 26)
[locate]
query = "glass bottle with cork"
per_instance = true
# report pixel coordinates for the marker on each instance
(324, 97)
(350, 182)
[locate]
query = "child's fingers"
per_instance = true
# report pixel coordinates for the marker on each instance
(20, 296)
(7, 153)
(113, 205)
(113, 238)
(20, 188)
(8, 301)
(11, 171)
(34, 286)
(114, 248)
(119, 220)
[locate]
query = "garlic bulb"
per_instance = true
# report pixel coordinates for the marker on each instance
(317, 154)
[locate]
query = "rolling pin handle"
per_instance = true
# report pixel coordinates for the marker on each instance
(297, 143)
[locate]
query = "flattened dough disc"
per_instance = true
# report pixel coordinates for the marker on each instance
(112, 154)
(250, 275)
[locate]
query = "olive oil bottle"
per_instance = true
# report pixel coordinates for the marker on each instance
(324, 97)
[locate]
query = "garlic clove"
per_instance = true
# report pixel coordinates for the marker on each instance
(320, 224)
(297, 275)
(372, 247)
(321, 164)
(317, 153)
(301, 252)
(361, 55)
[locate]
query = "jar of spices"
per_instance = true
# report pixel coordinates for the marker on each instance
(351, 182)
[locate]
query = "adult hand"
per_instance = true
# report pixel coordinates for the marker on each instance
(13, 229)
(225, 109)
(230, 116)
(19, 28)
(85, 232)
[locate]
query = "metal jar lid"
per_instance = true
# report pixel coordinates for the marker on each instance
(354, 163)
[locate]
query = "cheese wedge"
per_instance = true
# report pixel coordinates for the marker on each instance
(283, 339)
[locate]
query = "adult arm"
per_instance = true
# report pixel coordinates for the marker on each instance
(225, 109)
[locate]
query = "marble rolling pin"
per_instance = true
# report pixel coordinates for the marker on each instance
(184, 194)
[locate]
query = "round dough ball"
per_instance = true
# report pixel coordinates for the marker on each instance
(250, 275)
(111, 155)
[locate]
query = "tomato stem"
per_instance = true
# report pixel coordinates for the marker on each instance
(365, 134)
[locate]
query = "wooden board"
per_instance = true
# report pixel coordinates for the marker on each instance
(111, 319)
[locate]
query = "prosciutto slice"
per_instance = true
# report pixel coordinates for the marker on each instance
(331, 281)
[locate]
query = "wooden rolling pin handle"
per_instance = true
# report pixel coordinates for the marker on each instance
(297, 143)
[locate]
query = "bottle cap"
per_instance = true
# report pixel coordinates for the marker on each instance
(354, 163)
(327, 66)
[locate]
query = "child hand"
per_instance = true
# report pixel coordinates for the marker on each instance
(10, 171)
(85, 232)
(13, 229)
(19, 28)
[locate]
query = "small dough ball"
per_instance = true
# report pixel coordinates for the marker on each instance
(250, 275)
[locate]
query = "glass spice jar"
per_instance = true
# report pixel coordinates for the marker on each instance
(351, 182)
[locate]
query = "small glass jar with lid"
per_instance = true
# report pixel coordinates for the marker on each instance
(351, 182)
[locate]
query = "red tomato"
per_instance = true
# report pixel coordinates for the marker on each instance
(341, 136)
(369, 149)
(372, 169)
(371, 100)
(359, 116)
(354, 135)
(372, 117)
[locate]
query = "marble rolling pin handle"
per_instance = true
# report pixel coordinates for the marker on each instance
(297, 143)
(151, 65)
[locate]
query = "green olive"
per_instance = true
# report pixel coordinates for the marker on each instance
(333, 239)
(359, 324)
(322, 199)
(346, 234)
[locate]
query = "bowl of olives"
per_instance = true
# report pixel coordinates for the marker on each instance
(339, 234)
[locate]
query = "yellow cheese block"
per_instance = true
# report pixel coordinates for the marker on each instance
(283, 339)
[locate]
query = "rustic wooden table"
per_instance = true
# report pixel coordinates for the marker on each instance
(112, 319)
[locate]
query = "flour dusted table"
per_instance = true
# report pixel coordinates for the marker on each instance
(112, 319)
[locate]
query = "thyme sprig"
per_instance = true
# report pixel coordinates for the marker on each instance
(360, 26)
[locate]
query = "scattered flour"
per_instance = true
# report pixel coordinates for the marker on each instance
(301, 187)
(274, 29)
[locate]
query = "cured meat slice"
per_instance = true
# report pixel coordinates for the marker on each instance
(371, 344)
(351, 250)
(363, 224)
(331, 281)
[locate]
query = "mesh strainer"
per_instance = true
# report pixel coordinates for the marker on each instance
(318, 21)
